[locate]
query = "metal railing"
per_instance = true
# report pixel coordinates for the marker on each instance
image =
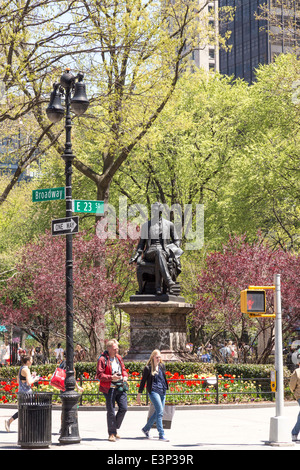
(217, 392)
(181, 390)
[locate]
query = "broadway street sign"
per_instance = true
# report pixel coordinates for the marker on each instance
(50, 194)
(65, 226)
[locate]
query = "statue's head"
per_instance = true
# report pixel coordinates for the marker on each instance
(156, 210)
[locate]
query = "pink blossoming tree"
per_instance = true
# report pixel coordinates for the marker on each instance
(233, 269)
(34, 299)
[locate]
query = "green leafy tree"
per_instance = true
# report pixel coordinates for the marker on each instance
(229, 146)
(264, 188)
(133, 53)
(192, 147)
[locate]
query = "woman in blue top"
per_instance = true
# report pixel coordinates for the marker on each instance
(155, 375)
(25, 381)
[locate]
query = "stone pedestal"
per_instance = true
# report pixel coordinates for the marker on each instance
(157, 325)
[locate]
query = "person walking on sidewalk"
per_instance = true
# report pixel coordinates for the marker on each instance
(113, 380)
(295, 389)
(154, 375)
(25, 381)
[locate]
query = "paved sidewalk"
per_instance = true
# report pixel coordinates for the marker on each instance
(223, 428)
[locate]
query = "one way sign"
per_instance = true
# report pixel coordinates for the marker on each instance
(65, 226)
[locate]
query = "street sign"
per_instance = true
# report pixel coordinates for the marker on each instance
(65, 226)
(50, 194)
(88, 207)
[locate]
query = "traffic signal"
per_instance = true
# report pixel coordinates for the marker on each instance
(253, 301)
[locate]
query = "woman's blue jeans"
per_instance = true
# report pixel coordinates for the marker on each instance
(159, 404)
(296, 428)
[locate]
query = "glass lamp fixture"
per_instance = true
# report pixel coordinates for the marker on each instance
(79, 102)
(55, 110)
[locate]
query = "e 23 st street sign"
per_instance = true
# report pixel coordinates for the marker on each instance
(88, 207)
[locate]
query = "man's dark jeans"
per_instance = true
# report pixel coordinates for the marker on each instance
(114, 420)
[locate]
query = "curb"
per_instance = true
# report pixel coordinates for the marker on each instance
(223, 406)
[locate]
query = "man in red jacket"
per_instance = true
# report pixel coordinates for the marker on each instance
(111, 373)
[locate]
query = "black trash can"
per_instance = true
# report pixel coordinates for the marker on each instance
(35, 420)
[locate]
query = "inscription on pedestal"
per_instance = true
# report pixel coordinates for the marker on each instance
(157, 325)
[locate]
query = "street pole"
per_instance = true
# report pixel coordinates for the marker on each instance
(69, 428)
(55, 112)
(278, 348)
(280, 435)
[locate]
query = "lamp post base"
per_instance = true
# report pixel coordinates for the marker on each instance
(69, 419)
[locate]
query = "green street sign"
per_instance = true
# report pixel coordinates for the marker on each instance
(88, 207)
(50, 194)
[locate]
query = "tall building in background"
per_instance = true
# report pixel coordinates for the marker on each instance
(208, 56)
(253, 41)
(16, 144)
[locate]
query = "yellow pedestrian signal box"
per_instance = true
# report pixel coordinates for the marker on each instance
(253, 301)
(273, 380)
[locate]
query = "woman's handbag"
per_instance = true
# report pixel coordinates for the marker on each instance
(168, 415)
(58, 379)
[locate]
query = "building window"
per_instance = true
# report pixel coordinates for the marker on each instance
(211, 53)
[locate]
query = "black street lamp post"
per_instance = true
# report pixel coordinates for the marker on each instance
(55, 111)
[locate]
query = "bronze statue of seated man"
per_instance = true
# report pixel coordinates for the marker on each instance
(158, 246)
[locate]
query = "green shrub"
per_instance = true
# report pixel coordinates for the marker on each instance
(188, 382)
(250, 371)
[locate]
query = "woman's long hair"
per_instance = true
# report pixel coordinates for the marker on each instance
(24, 358)
(151, 361)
